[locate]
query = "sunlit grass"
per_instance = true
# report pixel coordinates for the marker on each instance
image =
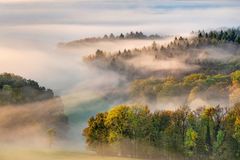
(21, 154)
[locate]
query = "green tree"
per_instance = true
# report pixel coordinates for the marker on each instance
(97, 133)
(191, 142)
(236, 76)
(236, 134)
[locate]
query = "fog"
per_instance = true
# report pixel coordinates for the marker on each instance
(84, 89)
(111, 46)
(149, 63)
(28, 124)
(31, 29)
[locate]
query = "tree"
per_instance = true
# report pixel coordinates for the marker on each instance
(99, 53)
(97, 133)
(236, 134)
(177, 129)
(140, 119)
(105, 36)
(154, 46)
(237, 40)
(161, 120)
(51, 136)
(212, 116)
(231, 132)
(218, 151)
(236, 76)
(121, 36)
(191, 142)
(134, 131)
(111, 36)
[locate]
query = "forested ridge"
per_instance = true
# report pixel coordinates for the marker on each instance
(208, 71)
(111, 37)
(16, 90)
(28, 109)
(197, 40)
(197, 85)
(210, 52)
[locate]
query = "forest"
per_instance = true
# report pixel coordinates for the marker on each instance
(208, 73)
(119, 80)
(190, 112)
(16, 90)
(196, 54)
(210, 132)
(197, 85)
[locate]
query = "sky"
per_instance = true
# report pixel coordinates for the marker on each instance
(30, 29)
(70, 19)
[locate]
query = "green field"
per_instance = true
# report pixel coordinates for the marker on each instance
(21, 154)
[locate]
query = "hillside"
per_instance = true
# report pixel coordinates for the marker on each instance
(17, 90)
(29, 111)
(194, 89)
(206, 52)
(190, 91)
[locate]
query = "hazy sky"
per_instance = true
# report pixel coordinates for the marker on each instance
(69, 19)
(30, 29)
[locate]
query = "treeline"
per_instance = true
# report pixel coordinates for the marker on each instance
(112, 37)
(228, 35)
(190, 87)
(17, 90)
(218, 39)
(134, 131)
(131, 35)
(203, 50)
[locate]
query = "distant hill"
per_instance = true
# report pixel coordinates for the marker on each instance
(18, 90)
(29, 110)
(206, 52)
(192, 88)
(111, 37)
